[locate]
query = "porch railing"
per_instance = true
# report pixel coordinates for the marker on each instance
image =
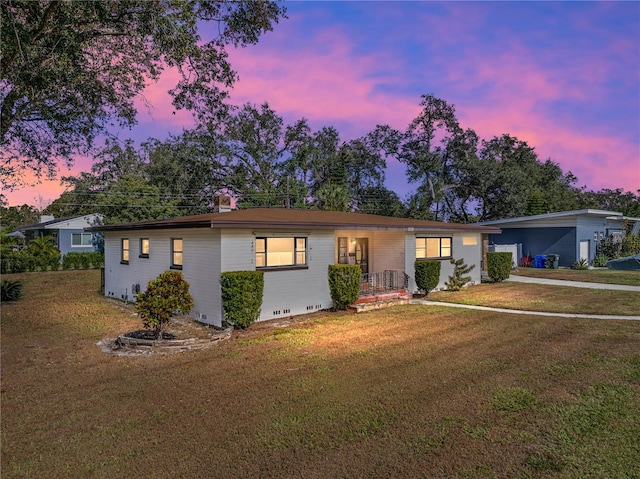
(388, 281)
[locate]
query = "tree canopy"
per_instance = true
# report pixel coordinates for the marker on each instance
(72, 69)
(260, 161)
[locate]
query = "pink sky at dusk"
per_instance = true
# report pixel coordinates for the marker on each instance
(562, 76)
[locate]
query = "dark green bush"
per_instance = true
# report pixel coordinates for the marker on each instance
(344, 284)
(165, 295)
(499, 265)
(427, 274)
(630, 245)
(458, 280)
(25, 261)
(581, 264)
(84, 260)
(242, 297)
(10, 290)
(609, 247)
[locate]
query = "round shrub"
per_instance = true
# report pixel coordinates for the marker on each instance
(165, 295)
(499, 265)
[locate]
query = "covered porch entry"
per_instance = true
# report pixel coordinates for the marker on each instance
(381, 257)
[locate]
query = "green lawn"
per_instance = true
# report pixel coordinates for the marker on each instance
(608, 276)
(536, 297)
(407, 392)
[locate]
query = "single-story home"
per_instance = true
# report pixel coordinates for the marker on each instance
(571, 234)
(68, 233)
(293, 247)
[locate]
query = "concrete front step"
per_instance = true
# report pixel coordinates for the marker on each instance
(379, 301)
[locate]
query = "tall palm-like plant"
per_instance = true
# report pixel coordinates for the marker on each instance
(333, 198)
(43, 246)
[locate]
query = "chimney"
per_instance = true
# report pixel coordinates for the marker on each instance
(222, 203)
(45, 218)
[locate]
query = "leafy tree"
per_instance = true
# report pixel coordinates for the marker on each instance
(14, 216)
(255, 142)
(187, 169)
(418, 149)
(133, 199)
(165, 295)
(626, 202)
(378, 200)
(70, 69)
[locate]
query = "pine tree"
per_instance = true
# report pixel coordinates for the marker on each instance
(458, 279)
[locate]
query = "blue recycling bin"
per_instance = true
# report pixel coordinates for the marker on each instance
(539, 260)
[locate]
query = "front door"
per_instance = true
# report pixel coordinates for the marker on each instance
(362, 254)
(584, 249)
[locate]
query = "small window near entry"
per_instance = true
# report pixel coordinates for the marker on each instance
(469, 240)
(124, 251)
(281, 252)
(343, 250)
(176, 253)
(433, 248)
(144, 247)
(81, 239)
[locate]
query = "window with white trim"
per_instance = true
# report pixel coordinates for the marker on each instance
(81, 240)
(433, 248)
(124, 251)
(176, 253)
(281, 252)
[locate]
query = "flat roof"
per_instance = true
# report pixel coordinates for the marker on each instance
(561, 214)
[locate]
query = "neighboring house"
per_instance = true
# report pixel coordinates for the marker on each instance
(293, 247)
(571, 234)
(68, 233)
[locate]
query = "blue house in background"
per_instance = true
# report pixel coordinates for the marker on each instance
(68, 233)
(571, 234)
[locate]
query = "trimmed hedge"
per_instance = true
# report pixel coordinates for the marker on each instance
(344, 284)
(499, 265)
(427, 274)
(242, 297)
(25, 262)
(86, 260)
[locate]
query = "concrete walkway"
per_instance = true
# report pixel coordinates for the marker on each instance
(529, 313)
(573, 284)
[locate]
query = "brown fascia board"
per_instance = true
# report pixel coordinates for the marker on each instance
(363, 226)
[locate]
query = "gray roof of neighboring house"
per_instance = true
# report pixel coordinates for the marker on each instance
(281, 218)
(37, 226)
(614, 215)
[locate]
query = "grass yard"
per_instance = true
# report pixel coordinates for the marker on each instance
(537, 297)
(411, 391)
(608, 276)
